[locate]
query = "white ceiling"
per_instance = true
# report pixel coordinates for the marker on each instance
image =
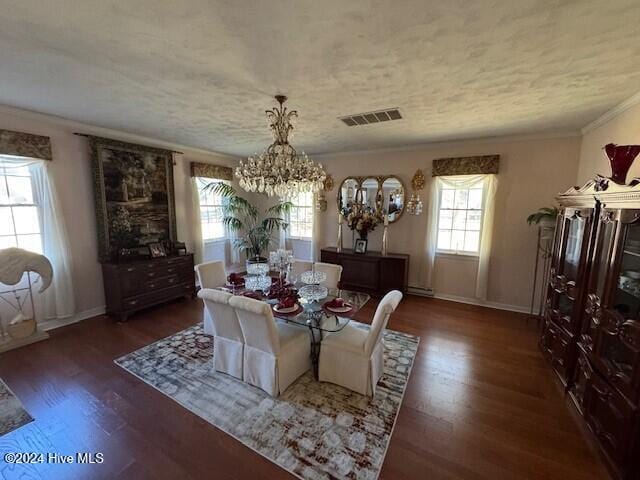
(202, 72)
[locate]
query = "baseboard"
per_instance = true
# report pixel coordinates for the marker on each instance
(61, 322)
(470, 301)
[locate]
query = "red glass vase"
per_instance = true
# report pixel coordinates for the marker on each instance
(621, 158)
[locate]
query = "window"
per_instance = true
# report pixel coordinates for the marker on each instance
(19, 218)
(460, 219)
(301, 216)
(211, 211)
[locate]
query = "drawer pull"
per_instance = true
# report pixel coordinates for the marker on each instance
(171, 280)
(151, 274)
(133, 302)
(130, 269)
(152, 285)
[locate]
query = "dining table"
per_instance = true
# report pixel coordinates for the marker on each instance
(314, 315)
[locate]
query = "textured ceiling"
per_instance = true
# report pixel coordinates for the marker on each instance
(201, 72)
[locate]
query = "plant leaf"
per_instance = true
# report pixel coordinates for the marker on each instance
(220, 188)
(281, 208)
(232, 223)
(272, 223)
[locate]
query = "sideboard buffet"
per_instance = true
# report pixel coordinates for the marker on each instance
(370, 272)
(591, 332)
(136, 285)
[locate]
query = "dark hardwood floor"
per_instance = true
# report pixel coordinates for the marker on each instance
(480, 404)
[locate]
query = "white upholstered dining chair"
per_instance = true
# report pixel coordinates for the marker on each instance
(298, 267)
(353, 357)
(228, 342)
(275, 354)
(210, 275)
(333, 273)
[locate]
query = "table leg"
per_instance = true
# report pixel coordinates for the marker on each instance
(316, 340)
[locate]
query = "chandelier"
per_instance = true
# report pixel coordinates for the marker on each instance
(279, 170)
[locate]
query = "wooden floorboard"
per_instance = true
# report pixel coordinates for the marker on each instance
(480, 404)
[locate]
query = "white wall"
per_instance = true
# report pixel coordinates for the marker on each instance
(622, 128)
(71, 170)
(532, 172)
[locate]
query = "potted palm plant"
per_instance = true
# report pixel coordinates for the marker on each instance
(255, 231)
(544, 217)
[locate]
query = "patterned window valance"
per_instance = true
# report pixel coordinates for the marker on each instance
(210, 170)
(482, 164)
(22, 144)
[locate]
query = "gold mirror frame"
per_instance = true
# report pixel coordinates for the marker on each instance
(379, 198)
(356, 189)
(382, 180)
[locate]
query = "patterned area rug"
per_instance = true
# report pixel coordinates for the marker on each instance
(12, 413)
(314, 430)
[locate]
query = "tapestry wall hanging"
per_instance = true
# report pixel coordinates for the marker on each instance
(134, 196)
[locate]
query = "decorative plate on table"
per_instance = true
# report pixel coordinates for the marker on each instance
(343, 309)
(286, 309)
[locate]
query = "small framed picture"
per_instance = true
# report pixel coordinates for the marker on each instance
(360, 246)
(179, 248)
(157, 250)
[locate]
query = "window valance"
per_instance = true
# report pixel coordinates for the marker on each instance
(478, 165)
(210, 170)
(22, 144)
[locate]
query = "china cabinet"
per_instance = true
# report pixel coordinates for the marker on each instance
(591, 333)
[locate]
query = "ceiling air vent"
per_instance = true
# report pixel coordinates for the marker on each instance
(372, 117)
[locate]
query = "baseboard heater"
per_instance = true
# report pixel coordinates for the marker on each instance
(423, 292)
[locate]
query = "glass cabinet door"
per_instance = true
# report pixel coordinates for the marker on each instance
(617, 342)
(603, 252)
(565, 276)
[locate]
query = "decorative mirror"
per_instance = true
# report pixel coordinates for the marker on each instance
(392, 197)
(348, 193)
(381, 194)
(369, 193)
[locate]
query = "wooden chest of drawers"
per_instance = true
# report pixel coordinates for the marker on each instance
(132, 286)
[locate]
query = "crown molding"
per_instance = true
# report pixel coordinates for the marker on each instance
(611, 114)
(84, 128)
(453, 142)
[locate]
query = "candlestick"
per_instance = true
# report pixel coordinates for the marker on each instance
(385, 239)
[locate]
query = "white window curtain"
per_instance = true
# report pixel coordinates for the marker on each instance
(57, 301)
(196, 222)
(490, 183)
(314, 245)
(316, 232)
(232, 256)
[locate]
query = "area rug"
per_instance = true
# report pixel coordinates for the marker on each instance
(12, 413)
(314, 430)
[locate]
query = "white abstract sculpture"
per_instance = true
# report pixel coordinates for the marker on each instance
(15, 261)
